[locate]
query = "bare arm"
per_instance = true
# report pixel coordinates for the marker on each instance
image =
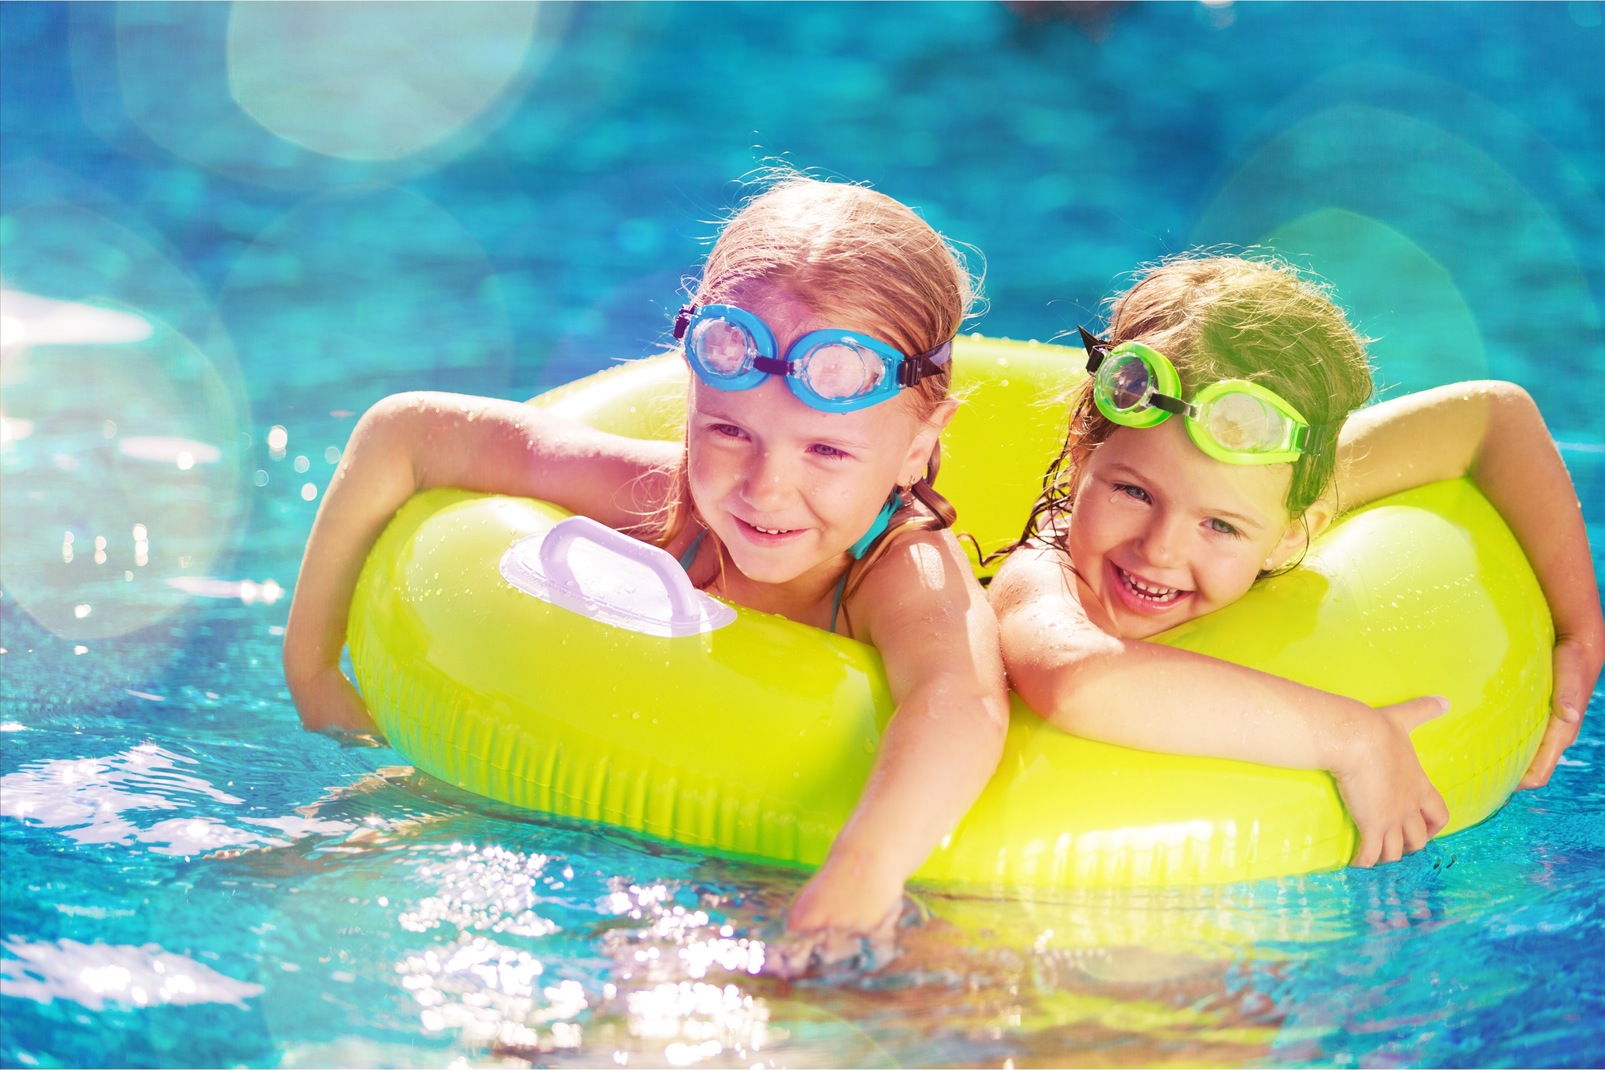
(1144, 695)
(1494, 433)
(938, 639)
(412, 442)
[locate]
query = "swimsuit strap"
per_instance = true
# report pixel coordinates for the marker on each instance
(690, 555)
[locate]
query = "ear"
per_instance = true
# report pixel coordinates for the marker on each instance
(1316, 519)
(925, 436)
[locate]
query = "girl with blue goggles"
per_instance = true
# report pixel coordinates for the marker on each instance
(831, 370)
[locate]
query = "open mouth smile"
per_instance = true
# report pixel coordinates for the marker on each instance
(1142, 595)
(765, 535)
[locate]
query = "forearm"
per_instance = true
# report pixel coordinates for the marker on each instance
(371, 483)
(1493, 432)
(1521, 471)
(937, 754)
(1151, 697)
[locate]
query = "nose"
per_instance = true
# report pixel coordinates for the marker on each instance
(766, 483)
(1163, 540)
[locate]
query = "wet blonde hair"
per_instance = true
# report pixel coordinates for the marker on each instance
(1253, 317)
(850, 255)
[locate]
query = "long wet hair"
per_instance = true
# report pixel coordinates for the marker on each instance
(1253, 317)
(849, 254)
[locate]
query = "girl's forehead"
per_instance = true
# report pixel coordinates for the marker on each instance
(787, 313)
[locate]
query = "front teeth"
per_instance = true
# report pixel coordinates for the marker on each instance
(1149, 590)
(771, 531)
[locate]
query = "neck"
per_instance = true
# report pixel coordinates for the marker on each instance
(808, 599)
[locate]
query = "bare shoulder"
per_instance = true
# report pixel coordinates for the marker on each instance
(922, 607)
(1043, 623)
(1032, 574)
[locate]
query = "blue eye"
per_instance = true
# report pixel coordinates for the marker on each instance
(1132, 491)
(1221, 527)
(822, 450)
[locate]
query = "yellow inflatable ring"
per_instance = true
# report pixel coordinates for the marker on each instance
(754, 739)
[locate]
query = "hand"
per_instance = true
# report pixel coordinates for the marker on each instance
(1576, 672)
(839, 916)
(1385, 789)
(326, 699)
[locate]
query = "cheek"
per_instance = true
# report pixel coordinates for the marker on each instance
(704, 469)
(1232, 573)
(1090, 527)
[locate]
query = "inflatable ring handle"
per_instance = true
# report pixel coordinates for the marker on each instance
(558, 543)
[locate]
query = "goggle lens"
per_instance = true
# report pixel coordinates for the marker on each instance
(1125, 383)
(842, 370)
(1244, 423)
(723, 348)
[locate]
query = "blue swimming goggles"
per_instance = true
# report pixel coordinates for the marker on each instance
(1234, 420)
(830, 370)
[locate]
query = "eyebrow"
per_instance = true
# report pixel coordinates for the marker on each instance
(845, 443)
(1120, 467)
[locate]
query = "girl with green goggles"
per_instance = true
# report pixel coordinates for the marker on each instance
(1137, 535)
(1234, 420)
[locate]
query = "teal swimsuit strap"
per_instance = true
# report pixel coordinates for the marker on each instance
(836, 604)
(690, 555)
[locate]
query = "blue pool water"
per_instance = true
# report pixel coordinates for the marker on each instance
(310, 206)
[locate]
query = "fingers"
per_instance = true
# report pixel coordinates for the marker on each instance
(1412, 835)
(1392, 845)
(797, 955)
(1542, 767)
(1365, 855)
(1574, 682)
(1415, 833)
(1419, 711)
(1436, 814)
(791, 957)
(1558, 735)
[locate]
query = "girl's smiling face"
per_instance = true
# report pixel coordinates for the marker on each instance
(788, 489)
(1160, 533)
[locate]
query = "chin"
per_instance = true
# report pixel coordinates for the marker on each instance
(764, 568)
(1143, 627)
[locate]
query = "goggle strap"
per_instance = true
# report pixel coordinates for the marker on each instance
(771, 366)
(1171, 405)
(1300, 437)
(1096, 349)
(682, 320)
(930, 362)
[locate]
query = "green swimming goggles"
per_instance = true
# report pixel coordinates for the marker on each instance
(1234, 420)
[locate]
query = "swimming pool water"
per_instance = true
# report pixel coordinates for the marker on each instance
(306, 211)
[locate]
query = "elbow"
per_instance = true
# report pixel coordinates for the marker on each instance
(394, 416)
(1509, 405)
(390, 438)
(995, 724)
